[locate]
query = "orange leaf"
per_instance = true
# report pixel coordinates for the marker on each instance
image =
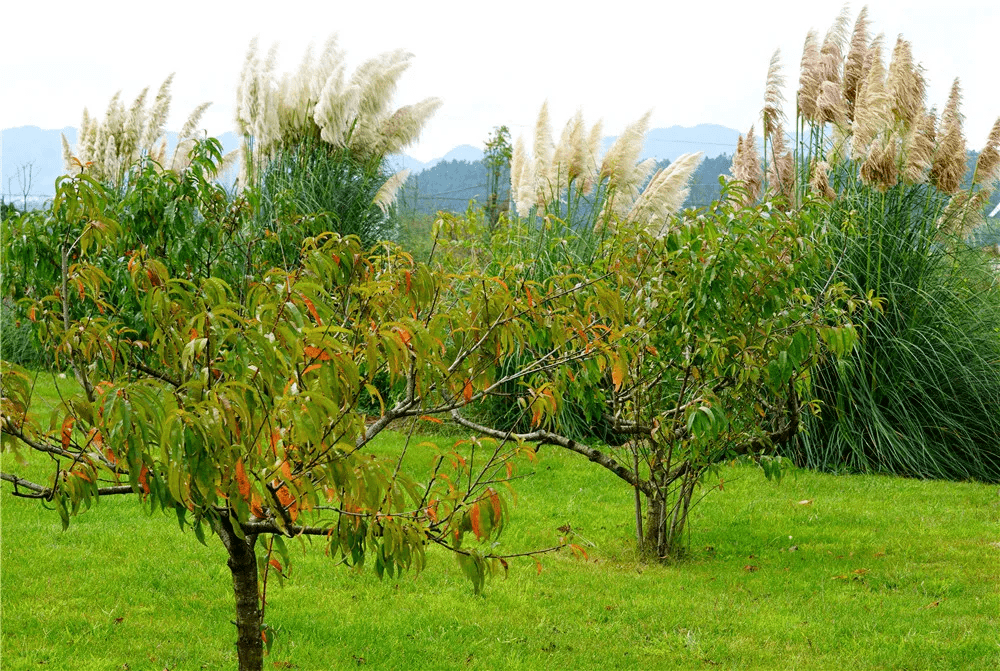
(409, 282)
(312, 310)
(143, 479)
(286, 470)
(531, 300)
(31, 314)
(495, 500)
(404, 335)
(80, 291)
(617, 374)
(432, 510)
(578, 550)
(311, 368)
(192, 334)
(510, 469)
(538, 566)
(428, 418)
(474, 519)
(316, 353)
(256, 506)
(242, 481)
(276, 564)
(275, 436)
(467, 392)
(67, 430)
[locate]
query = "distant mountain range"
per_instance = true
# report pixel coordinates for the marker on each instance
(31, 151)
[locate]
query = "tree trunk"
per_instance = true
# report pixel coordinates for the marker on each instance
(666, 515)
(243, 565)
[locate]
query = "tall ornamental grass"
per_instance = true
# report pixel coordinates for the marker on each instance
(920, 394)
(316, 141)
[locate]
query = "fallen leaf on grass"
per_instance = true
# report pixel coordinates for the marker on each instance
(749, 568)
(856, 574)
(932, 605)
(806, 502)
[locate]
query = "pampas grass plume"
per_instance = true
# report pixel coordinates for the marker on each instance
(948, 164)
(854, 66)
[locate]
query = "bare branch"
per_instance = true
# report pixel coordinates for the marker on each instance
(543, 437)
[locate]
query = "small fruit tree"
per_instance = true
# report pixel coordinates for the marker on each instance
(230, 395)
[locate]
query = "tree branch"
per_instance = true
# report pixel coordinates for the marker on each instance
(543, 437)
(41, 492)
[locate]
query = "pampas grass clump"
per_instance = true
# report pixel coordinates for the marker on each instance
(108, 148)
(316, 140)
(919, 394)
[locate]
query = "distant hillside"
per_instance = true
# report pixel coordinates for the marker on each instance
(450, 185)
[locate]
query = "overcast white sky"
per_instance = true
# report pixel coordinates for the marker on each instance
(700, 61)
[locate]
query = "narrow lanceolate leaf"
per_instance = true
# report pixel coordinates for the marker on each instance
(474, 520)
(617, 373)
(242, 481)
(67, 430)
(467, 392)
(312, 310)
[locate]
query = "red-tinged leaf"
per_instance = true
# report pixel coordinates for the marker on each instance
(31, 314)
(316, 353)
(242, 481)
(67, 430)
(79, 289)
(404, 335)
(312, 310)
(503, 562)
(276, 565)
(257, 506)
(510, 469)
(286, 470)
(531, 300)
(495, 500)
(501, 283)
(432, 510)
(428, 418)
(579, 551)
(538, 566)
(275, 437)
(474, 519)
(309, 369)
(467, 392)
(536, 417)
(409, 282)
(287, 502)
(143, 479)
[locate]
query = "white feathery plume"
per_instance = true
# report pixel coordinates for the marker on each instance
(619, 164)
(665, 194)
(543, 151)
(386, 195)
(190, 126)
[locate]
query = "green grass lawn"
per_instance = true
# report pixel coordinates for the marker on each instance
(872, 573)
